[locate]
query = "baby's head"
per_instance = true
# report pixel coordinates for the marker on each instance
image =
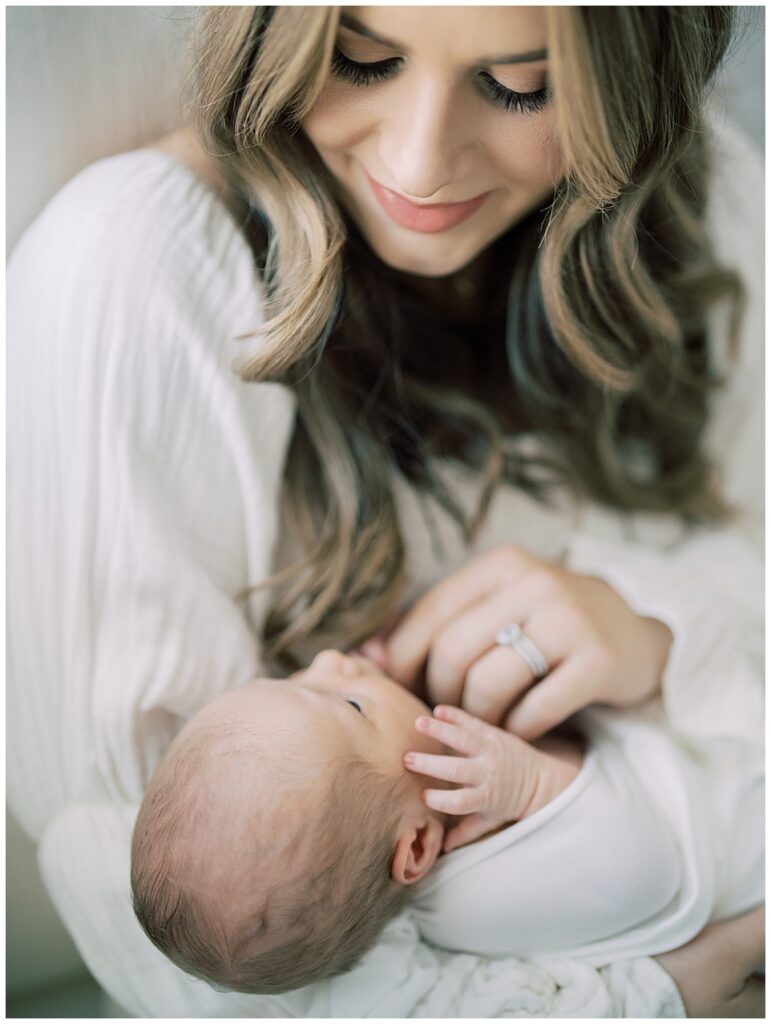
(281, 830)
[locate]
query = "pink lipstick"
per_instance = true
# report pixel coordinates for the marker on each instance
(428, 217)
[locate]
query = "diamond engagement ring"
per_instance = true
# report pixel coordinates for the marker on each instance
(513, 637)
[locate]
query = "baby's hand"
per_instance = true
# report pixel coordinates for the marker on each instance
(501, 778)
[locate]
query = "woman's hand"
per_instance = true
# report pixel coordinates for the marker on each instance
(596, 647)
(500, 777)
(715, 971)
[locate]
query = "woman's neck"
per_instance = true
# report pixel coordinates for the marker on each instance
(463, 293)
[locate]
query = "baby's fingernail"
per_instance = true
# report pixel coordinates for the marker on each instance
(409, 759)
(423, 722)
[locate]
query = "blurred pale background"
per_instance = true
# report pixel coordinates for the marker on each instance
(87, 82)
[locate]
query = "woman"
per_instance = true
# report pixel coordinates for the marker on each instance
(484, 270)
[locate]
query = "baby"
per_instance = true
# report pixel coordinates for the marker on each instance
(289, 821)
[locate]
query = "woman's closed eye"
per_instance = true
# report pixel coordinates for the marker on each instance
(370, 74)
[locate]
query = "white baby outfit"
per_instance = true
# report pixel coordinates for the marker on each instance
(633, 858)
(144, 484)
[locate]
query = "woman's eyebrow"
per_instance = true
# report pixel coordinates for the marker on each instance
(348, 21)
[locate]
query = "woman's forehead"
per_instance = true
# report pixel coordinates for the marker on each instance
(466, 34)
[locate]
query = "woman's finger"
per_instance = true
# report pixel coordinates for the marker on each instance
(453, 801)
(374, 647)
(494, 682)
(570, 687)
(500, 677)
(439, 766)
(461, 735)
(375, 650)
(411, 640)
(470, 636)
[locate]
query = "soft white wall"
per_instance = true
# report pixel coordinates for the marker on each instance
(83, 83)
(741, 85)
(86, 82)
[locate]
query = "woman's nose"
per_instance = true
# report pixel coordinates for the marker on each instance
(424, 144)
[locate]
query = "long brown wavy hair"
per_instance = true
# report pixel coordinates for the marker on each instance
(594, 342)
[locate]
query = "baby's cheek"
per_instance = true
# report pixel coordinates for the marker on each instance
(425, 744)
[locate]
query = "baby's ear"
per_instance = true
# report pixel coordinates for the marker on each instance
(417, 848)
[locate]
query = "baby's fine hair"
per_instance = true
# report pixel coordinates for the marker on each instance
(314, 926)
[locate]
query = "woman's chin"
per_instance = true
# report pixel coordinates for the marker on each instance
(434, 264)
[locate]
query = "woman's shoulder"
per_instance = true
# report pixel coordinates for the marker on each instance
(150, 220)
(143, 187)
(185, 149)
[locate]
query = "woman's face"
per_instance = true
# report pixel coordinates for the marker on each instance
(452, 108)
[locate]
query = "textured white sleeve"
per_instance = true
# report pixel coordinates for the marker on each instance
(143, 478)
(707, 585)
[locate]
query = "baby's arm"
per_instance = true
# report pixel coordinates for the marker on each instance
(501, 778)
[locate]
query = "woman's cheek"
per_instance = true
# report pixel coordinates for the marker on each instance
(338, 118)
(545, 156)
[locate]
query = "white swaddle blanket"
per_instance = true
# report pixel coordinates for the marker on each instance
(633, 858)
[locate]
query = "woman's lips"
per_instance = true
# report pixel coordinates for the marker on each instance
(428, 218)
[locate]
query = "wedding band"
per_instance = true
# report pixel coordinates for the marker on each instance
(513, 637)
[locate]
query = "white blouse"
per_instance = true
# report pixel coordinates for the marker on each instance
(143, 482)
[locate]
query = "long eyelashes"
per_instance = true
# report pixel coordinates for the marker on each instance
(524, 102)
(368, 74)
(354, 704)
(362, 74)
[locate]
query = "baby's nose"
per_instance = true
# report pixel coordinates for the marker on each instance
(335, 662)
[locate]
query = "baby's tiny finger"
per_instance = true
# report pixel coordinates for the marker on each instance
(456, 736)
(451, 713)
(452, 801)
(451, 769)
